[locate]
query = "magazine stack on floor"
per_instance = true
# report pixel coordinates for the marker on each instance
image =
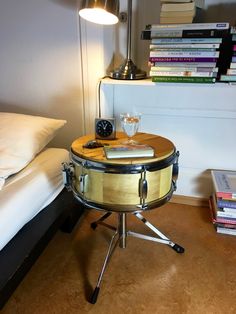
(186, 53)
(230, 75)
(223, 201)
(177, 11)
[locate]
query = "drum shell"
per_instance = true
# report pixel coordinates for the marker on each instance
(121, 190)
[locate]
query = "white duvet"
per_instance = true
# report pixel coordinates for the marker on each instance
(26, 193)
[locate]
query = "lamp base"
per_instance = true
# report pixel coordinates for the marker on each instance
(128, 71)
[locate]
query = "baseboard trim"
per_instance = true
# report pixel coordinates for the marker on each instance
(189, 200)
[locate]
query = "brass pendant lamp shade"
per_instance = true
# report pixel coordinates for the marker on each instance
(100, 11)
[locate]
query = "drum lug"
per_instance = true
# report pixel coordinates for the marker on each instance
(143, 188)
(67, 174)
(83, 182)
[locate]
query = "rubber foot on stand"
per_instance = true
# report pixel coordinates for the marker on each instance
(93, 225)
(178, 248)
(95, 295)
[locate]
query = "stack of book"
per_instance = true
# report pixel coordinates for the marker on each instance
(223, 201)
(177, 11)
(230, 75)
(185, 53)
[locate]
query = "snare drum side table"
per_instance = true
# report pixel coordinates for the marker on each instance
(123, 186)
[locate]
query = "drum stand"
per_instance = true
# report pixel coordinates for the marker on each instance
(120, 237)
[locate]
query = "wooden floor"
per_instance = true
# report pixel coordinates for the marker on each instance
(145, 277)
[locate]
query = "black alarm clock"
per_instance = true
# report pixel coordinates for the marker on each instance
(105, 128)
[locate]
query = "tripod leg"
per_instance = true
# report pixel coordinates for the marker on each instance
(110, 251)
(95, 223)
(175, 247)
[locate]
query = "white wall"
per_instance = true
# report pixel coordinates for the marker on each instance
(220, 11)
(40, 62)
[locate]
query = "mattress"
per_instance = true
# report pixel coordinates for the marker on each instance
(29, 191)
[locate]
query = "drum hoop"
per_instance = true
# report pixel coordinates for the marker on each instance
(126, 169)
(126, 208)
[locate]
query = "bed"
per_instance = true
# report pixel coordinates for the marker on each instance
(33, 201)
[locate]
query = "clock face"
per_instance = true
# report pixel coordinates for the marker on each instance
(104, 128)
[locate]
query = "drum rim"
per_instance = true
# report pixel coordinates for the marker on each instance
(125, 168)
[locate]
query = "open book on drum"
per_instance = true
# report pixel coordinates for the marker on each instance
(128, 151)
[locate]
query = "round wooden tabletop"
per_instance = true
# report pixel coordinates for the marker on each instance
(162, 147)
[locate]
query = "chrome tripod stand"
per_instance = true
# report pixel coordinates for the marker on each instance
(120, 237)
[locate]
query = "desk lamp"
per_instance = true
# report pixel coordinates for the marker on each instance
(106, 12)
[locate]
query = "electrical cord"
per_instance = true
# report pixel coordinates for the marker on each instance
(99, 94)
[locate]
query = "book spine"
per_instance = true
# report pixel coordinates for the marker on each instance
(147, 34)
(226, 215)
(186, 68)
(184, 46)
(231, 72)
(215, 219)
(224, 195)
(227, 78)
(181, 59)
(174, 53)
(186, 40)
(178, 7)
(189, 26)
(223, 203)
(183, 73)
(177, 79)
(183, 64)
(226, 231)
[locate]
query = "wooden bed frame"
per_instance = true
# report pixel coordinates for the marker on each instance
(17, 257)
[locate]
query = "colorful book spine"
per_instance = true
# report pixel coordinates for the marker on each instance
(219, 220)
(231, 231)
(184, 46)
(177, 79)
(231, 72)
(186, 40)
(185, 54)
(225, 203)
(147, 34)
(182, 59)
(185, 68)
(183, 64)
(183, 73)
(227, 78)
(189, 26)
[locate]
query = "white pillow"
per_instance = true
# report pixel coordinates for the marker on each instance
(22, 137)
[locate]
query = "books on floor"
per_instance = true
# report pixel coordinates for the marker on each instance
(186, 53)
(223, 201)
(128, 151)
(177, 11)
(230, 74)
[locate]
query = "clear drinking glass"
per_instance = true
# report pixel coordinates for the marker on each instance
(130, 124)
